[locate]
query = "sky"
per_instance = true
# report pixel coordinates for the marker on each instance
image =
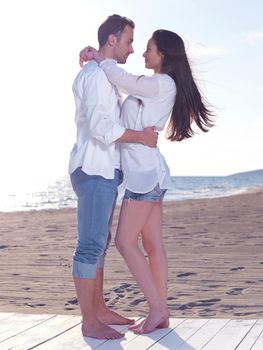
(40, 43)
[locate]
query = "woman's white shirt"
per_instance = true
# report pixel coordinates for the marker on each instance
(149, 103)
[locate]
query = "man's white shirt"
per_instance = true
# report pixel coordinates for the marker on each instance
(97, 120)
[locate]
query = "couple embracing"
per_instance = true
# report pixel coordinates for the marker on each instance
(117, 143)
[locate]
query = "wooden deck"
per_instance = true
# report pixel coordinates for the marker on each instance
(55, 332)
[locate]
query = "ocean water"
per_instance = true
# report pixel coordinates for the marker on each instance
(56, 194)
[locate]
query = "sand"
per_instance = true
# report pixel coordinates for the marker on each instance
(214, 248)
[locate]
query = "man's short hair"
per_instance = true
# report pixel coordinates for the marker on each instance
(114, 24)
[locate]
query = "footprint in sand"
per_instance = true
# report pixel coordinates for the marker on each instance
(135, 292)
(207, 313)
(235, 291)
(186, 274)
(180, 227)
(245, 314)
(72, 301)
(34, 305)
(136, 302)
(214, 285)
(237, 268)
(199, 303)
(208, 302)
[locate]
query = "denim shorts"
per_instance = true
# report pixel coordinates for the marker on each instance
(156, 195)
(96, 202)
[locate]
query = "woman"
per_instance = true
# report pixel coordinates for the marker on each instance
(170, 92)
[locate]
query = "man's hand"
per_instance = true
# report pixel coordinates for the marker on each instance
(89, 53)
(150, 137)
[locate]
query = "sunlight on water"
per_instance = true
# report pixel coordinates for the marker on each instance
(56, 193)
(35, 193)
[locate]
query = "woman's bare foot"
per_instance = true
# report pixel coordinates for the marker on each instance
(99, 330)
(164, 324)
(138, 325)
(158, 319)
(108, 316)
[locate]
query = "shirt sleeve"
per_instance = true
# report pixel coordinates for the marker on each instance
(102, 127)
(97, 101)
(139, 86)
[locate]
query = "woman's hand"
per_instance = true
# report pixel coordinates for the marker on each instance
(89, 53)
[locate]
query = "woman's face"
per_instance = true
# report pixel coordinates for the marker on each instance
(153, 58)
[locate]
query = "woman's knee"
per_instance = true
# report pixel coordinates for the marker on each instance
(118, 242)
(122, 243)
(151, 247)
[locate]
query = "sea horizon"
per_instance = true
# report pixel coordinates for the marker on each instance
(58, 193)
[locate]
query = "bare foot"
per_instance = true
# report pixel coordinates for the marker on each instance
(164, 324)
(138, 325)
(154, 320)
(108, 316)
(99, 330)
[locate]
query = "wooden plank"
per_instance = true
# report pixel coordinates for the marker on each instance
(115, 344)
(18, 323)
(154, 339)
(180, 334)
(119, 343)
(259, 342)
(252, 337)
(5, 315)
(69, 340)
(231, 335)
(204, 334)
(62, 332)
(41, 333)
(130, 340)
(73, 339)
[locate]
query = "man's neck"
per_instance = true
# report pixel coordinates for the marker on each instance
(106, 53)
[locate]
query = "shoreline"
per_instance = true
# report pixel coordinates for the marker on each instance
(237, 193)
(214, 248)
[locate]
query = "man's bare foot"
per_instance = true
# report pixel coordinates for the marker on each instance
(154, 320)
(108, 316)
(99, 330)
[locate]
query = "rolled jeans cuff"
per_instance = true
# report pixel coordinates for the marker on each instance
(101, 261)
(83, 270)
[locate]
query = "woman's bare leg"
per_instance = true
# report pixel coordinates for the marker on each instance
(133, 217)
(154, 247)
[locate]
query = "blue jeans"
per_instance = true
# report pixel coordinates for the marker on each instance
(96, 202)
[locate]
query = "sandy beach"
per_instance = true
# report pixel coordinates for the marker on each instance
(214, 248)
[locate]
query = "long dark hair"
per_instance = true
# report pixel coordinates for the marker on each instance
(189, 105)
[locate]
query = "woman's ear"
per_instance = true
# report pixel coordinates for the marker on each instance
(112, 40)
(161, 54)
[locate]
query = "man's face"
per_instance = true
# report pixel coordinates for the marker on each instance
(123, 47)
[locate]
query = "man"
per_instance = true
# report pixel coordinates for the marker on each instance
(95, 174)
